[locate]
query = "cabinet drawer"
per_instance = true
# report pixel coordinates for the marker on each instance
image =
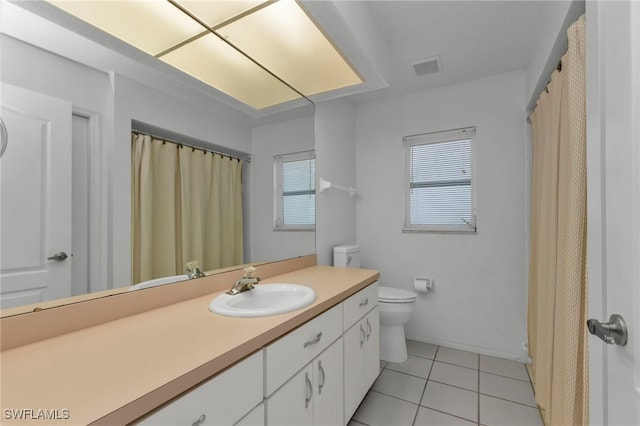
(290, 353)
(356, 306)
(222, 400)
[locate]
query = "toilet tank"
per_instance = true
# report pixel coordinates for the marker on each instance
(346, 256)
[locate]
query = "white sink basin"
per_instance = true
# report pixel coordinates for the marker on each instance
(263, 300)
(158, 281)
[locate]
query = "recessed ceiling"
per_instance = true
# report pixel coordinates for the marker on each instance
(383, 39)
(473, 39)
(262, 53)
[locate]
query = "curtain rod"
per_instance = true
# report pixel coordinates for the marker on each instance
(194, 147)
(546, 88)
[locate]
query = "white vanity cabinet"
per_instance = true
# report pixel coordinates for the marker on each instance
(361, 347)
(314, 396)
(304, 374)
(225, 399)
(315, 375)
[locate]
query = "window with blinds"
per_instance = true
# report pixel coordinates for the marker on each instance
(439, 192)
(295, 181)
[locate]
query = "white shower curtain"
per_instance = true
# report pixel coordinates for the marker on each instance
(186, 206)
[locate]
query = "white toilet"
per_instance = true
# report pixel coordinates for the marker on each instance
(396, 306)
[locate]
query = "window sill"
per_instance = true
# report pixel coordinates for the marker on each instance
(294, 229)
(438, 231)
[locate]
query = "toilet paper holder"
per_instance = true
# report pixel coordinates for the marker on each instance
(423, 284)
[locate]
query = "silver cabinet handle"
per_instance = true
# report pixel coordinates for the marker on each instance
(313, 341)
(4, 137)
(307, 398)
(323, 377)
(614, 331)
(369, 329)
(58, 257)
(362, 335)
(200, 420)
(364, 302)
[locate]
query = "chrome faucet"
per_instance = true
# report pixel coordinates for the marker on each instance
(245, 283)
(193, 271)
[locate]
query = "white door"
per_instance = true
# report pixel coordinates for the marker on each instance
(613, 182)
(35, 193)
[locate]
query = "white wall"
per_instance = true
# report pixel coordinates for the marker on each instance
(117, 100)
(284, 137)
(40, 71)
(136, 101)
(335, 161)
(550, 47)
(88, 91)
(479, 301)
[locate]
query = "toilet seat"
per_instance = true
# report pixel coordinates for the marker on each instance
(395, 295)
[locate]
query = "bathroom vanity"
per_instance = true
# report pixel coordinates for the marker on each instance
(181, 364)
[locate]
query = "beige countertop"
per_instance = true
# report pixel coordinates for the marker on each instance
(115, 372)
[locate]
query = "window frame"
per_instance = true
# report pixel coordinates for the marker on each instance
(278, 202)
(435, 138)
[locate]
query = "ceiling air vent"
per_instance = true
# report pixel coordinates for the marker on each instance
(428, 66)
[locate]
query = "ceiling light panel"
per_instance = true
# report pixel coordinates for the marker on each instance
(214, 62)
(151, 26)
(214, 13)
(283, 39)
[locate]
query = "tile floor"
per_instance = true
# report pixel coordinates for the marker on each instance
(443, 386)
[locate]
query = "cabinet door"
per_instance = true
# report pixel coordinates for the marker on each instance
(292, 404)
(371, 348)
(329, 389)
(254, 418)
(354, 340)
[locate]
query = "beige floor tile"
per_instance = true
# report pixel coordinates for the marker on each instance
(400, 385)
(454, 375)
(414, 365)
(429, 417)
(503, 367)
(424, 350)
(451, 400)
(498, 412)
(382, 410)
(457, 357)
(506, 388)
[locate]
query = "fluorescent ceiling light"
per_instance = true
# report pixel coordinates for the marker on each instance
(223, 67)
(283, 38)
(216, 12)
(151, 26)
(262, 53)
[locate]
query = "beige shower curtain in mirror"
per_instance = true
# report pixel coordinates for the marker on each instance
(557, 311)
(186, 205)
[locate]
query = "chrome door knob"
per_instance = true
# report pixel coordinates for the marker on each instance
(58, 257)
(614, 331)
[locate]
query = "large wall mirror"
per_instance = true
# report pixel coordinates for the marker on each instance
(71, 98)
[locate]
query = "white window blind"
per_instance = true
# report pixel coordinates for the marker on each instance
(295, 191)
(439, 181)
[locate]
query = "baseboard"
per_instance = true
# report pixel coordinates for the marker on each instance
(470, 347)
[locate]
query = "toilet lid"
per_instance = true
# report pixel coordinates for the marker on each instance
(395, 295)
